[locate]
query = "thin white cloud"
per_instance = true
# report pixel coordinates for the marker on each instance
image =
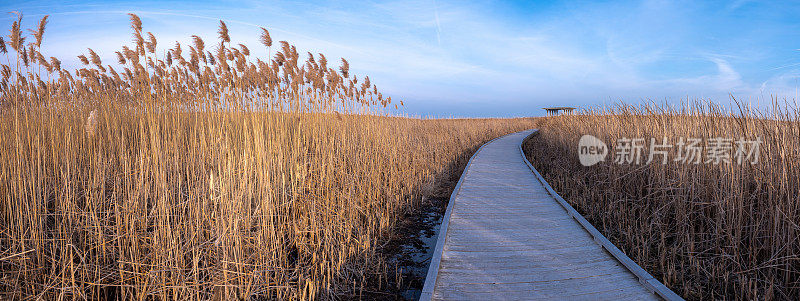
(438, 25)
(583, 53)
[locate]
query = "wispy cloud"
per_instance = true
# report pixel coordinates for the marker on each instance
(495, 58)
(438, 26)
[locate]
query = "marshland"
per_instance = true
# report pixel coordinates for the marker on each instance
(203, 171)
(208, 175)
(708, 231)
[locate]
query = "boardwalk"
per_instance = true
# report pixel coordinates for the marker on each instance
(504, 236)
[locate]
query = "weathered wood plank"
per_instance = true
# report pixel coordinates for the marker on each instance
(564, 287)
(561, 291)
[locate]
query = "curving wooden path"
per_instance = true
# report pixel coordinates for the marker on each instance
(507, 235)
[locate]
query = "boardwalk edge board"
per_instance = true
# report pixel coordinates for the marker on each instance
(645, 278)
(433, 267)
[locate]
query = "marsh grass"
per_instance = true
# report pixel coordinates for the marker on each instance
(724, 231)
(216, 175)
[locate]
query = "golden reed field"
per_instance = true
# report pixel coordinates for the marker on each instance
(204, 173)
(201, 172)
(708, 231)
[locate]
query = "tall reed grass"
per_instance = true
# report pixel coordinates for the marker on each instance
(213, 175)
(707, 231)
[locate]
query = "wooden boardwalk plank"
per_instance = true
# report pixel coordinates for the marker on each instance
(506, 236)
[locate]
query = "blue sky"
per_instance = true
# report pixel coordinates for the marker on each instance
(482, 58)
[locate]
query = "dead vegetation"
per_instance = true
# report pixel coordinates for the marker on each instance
(202, 172)
(707, 231)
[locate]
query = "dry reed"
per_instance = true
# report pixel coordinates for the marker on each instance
(216, 175)
(708, 231)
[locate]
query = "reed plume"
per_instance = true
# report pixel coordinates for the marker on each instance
(136, 23)
(83, 59)
(223, 32)
(24, 55)
(15, 38)
(265, 38)
(345, 68)
(200, 46)
(56, 63)
(151, 42)
(120, 58)
(39, 33)
(94, 58)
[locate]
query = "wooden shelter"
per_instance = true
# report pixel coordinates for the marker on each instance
(555, 111)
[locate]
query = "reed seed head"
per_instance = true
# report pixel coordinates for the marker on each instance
(16, 40)
(345, 68)
(211, 59)
(151, 43)
(139, 41)
(24, 54)
(280, 58)
(198, 43)
(120, 58)
(43, 62)
(136, 23)
(265, 38)
(223, 32)
(56, 63)
(40, 31)
(95, 58)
